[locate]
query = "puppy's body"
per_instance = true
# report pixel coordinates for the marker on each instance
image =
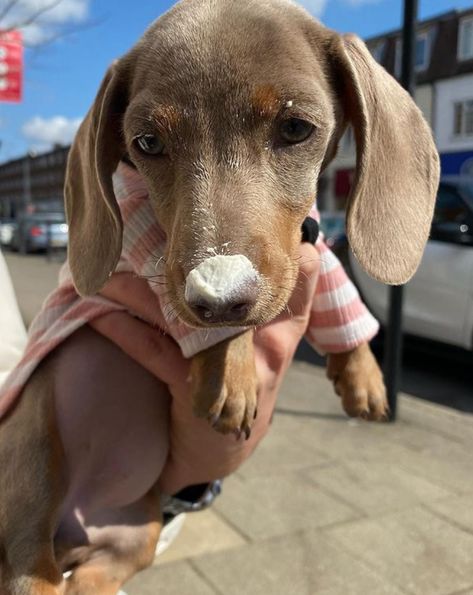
(223, 106)
(83, 470)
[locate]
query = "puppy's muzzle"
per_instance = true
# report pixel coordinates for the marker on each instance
(222, 289)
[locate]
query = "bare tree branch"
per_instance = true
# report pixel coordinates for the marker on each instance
(65, 32)
(6, 9)
(34, 16)
(49, 34)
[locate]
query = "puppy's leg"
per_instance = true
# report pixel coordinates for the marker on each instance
(32, 487)
(124, 542)
(225, 384)
(113, 416)
(358, 380)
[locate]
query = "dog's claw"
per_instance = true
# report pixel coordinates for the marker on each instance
(247, 431)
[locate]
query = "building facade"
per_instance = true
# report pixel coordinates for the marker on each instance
(33, 181)
(444, 93)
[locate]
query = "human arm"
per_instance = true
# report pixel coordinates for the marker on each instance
(198, 453)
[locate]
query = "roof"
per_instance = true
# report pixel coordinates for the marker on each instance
(443, 60)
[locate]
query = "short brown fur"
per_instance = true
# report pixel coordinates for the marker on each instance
(202, 70)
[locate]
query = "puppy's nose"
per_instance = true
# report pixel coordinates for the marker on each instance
(222, 289)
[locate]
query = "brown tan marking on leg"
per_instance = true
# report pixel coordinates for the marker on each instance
(33, 484)
(358, 380)
(119, 551)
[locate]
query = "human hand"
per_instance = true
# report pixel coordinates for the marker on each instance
(197, 453)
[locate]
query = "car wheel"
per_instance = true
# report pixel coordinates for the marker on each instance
(23, 247)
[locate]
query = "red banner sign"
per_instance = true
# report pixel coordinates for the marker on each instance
(11, 66)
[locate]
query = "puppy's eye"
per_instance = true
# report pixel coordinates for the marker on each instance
(151, 144)
(295, 130)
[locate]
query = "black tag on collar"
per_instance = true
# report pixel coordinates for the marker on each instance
(310, 230)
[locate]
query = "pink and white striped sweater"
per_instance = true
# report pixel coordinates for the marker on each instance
(339, 320)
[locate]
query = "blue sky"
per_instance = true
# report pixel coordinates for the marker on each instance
(62, 77)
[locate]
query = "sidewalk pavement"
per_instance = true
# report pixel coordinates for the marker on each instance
(330, 506)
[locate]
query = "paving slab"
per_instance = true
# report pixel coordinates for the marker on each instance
(178, 578)
(414, 549)
(283, 452)
(263, 507)
(374, 487)
(304, 563)
(458, 511)
(443, 420)
(204, 532)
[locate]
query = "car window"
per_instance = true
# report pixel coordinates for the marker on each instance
(331, 226)
(43, 217)
(450, 206)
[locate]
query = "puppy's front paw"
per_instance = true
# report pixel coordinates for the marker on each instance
(225, 385)
(358, 380)
(230, 409)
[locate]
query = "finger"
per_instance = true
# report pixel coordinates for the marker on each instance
(135, 293)
(150, 347)
(302, 296)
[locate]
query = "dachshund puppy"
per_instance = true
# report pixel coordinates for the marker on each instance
(228, 112)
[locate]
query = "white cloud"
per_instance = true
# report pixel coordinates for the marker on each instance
(316, 7)
(54, 14)
(44, 133)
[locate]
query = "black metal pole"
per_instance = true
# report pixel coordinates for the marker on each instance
(393, 351)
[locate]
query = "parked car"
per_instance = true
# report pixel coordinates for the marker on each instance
(7, 229)
(40, 231)
(438, 302)
(333, 227)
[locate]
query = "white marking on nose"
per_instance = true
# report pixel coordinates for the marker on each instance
(220, 278)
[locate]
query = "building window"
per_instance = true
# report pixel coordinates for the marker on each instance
(463, 118)
(421, 53)
(465, 39)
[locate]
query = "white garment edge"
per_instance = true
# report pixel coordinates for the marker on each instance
(12, 330)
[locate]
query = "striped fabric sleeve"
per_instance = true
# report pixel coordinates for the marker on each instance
(339, 320)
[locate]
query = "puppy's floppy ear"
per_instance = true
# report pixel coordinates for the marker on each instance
(397, 166)
(95, 224)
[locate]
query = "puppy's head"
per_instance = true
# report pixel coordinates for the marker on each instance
(230, 111)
